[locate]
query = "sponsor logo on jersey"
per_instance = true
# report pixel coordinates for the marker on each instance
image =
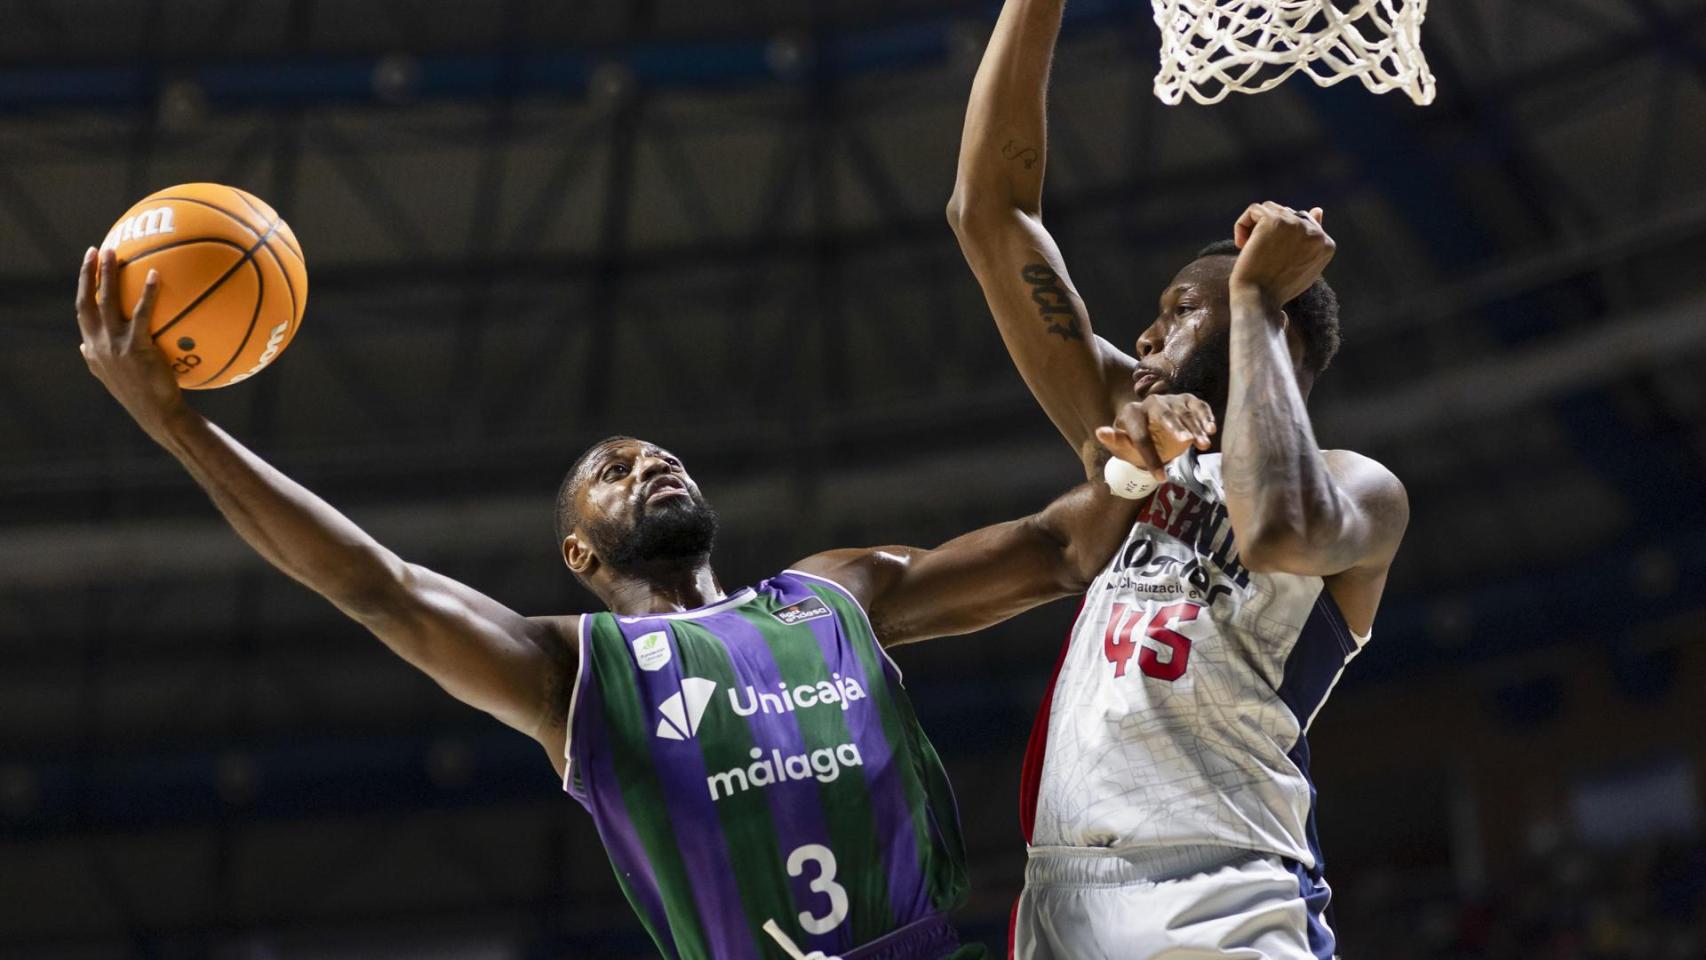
(148, 223)
(682, 711)
(651, 650)
(803, 696)
(823, 765)
(810, 608)
(1203, 528)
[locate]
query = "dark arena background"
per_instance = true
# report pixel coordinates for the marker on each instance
(720, 225)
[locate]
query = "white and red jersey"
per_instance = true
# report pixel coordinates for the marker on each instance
(1180, 701)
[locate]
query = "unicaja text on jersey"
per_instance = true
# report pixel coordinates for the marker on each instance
(786, 699)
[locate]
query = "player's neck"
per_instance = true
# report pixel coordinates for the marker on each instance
(664, 590)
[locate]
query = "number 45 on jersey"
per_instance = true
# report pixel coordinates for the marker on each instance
(1162, 653)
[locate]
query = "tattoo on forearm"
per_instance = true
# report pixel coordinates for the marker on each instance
(1014, 150)
(1269, 446)
(1054, 306)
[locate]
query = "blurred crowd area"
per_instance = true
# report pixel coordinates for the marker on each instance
(1643, 902)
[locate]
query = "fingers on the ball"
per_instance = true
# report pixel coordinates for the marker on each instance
(106, 291)
(86, 311)
(145, 306)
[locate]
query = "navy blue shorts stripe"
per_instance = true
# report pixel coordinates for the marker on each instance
(1312, 887)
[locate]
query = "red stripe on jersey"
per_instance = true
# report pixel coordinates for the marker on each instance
(1013, 929)
(1031, 774)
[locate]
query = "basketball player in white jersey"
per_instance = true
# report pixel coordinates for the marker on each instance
(1168, 807)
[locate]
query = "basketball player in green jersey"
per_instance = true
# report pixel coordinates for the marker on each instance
(750, 758)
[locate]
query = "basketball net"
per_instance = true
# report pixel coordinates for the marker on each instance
(1209, 48)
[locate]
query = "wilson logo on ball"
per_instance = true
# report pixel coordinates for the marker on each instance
(150, 223)
(274, 341)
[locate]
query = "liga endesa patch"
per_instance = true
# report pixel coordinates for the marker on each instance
(810, 608)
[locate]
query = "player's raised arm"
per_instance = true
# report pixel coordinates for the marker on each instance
(1294, 508)
(996, 211)
(478, 650)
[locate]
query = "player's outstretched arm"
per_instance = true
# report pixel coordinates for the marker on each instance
(1293, 507)
(996, 212)
(483, 653)
(986, 576)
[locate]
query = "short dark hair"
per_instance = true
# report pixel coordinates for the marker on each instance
(568, 515)
(1315, 311)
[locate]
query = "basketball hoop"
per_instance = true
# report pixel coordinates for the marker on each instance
(1210, 48)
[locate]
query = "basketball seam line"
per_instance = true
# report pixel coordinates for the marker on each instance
(246, 225)
(247, 255)
(260, 298)
(288, 286)
(288, 244)
(179, 244)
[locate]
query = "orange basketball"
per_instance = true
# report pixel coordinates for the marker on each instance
(233, 283)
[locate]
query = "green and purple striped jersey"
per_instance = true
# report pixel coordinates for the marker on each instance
(758, 761)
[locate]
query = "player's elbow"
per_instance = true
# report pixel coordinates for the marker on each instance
(1297, 545)
(958, 219)
(978, 216)
(1268, 553)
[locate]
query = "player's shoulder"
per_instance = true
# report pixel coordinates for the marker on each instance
(861, 572)
(1377, 492)
(1365, 477)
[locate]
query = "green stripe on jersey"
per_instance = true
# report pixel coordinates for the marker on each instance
(900, 726)
(642, 795)
(749, 833)
(846, 800)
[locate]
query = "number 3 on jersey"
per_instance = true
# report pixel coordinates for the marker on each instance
(1162, 653)
(824, 859)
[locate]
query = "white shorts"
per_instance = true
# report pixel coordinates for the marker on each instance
(1172, 903)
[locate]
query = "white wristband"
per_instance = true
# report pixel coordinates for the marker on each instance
(1128, 481)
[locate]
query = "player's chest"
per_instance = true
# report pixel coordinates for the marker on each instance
(726, 692)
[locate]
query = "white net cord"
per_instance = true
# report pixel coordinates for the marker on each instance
(1210, 48)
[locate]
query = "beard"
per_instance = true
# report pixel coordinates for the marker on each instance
(675, 534)
(1207, 373)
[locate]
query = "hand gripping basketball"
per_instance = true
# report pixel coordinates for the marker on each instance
(233, 282)
(119, 351)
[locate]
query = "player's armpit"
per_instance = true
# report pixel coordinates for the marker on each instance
(1079, 378)
(1358, 524)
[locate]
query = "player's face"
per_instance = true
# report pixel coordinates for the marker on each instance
(1188, 347)
(640, 508)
